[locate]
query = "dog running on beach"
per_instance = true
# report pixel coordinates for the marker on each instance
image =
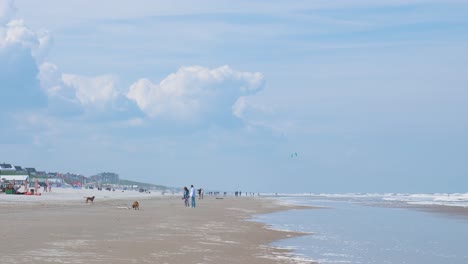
(136, 205)
(89, 199)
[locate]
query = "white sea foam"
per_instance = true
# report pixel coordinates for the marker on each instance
(444, 199)
(441, 199)
(288, 257)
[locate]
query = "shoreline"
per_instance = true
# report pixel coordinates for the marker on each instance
(162, 231)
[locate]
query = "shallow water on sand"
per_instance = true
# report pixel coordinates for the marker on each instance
(347, 231)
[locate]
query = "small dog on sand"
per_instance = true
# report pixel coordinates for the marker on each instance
(136, 205)
(89, 199)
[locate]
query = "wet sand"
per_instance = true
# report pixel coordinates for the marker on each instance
(446, 211)
(162, 231)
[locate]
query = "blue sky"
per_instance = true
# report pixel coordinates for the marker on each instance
(372, 95)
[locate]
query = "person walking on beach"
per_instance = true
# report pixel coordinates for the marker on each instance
(26, 186)
(36, 186)
(186, 196)
(192, 195)
(48, 185)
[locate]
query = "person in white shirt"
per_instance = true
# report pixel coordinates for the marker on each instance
(192, 195)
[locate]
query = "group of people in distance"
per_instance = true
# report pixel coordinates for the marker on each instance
(189, 196)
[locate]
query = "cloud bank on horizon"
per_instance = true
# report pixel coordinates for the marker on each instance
(363, 90)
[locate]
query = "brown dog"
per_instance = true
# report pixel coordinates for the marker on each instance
(136, 205)
(89, 199)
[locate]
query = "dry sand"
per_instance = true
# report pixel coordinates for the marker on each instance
(162, 231)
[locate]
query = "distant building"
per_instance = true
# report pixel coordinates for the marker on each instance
(71, 177)
(41, 173)
(31, 171)
(53, 175)
(6, 167)
(106, 178)
(20, 169)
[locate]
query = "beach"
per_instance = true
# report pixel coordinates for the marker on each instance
(59, 227)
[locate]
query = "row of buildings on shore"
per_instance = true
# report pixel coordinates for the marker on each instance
(11, 173)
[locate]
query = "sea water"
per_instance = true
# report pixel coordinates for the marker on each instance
(365, 229)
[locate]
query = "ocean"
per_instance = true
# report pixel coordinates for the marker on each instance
(375, 228)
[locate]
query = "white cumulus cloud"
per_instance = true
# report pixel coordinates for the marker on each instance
(50, 78)
(195, 93)
(85, 91)
(20, 51)
(96, 97)
(251, 112)
(16, 34)
(97, 91)
(62, 97)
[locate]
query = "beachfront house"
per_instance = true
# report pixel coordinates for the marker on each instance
(106, 178)
(31, 171)
(20, 170)
(4, 167)
(41, 173)
(53, 175)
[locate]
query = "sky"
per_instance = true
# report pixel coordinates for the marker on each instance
(371, 95)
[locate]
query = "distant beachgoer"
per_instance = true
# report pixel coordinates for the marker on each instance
(48, 185)
(26, 184)
(36, 186)
(192, 195)
(186, 196)
(202, 193)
